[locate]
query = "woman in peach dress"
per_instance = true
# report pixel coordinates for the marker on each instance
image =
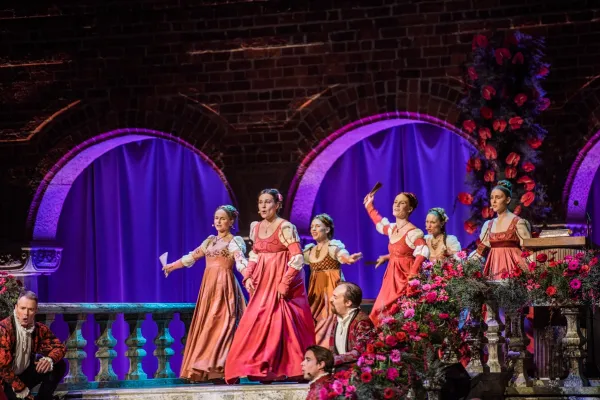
(441, 245)
(407, 248)
(502, 237)
(277, 326)
(324, 260)
(220, 303)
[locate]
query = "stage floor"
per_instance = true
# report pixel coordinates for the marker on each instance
(281, 391)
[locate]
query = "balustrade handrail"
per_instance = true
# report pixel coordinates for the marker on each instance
(113, 308)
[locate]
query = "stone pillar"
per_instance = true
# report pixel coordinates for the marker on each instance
(135, 347)
(75, 345)
(106, 343)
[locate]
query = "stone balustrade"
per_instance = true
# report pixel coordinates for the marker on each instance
(105, 314)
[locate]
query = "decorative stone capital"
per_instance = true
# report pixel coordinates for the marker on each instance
(31, 260)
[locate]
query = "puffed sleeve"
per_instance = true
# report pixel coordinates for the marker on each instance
(484, 241)
(288, 236)
(416, 241)
(189, 259)
(306, 252)
(382, 224)
(237, 247)
(452, 245)
(337, 251)
(252, 257)
(523, 229)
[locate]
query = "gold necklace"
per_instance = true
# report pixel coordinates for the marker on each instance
(318, 250)
(217, 238)
(397, 230)
(436, 243)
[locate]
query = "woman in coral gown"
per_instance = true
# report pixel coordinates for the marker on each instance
(324, 260)
(407, 248)
(220, 303)
(502, 237)
(277, 326)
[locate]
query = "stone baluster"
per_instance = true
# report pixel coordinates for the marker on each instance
(571, 344)
(494, 339)
(106, 343)
(163, 342)
(75, 345)
(517, 344)
(474, 338)
(135, 343)
(186, 318)
(48, 319)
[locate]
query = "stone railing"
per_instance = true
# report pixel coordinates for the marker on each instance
(105, 314)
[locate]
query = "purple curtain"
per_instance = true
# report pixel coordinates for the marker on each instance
(128, 207)
(420, 158)
(593, 208)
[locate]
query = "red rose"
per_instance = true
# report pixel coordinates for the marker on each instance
(479, 41)
(520, 99)
(513, 159)
(552, 264)
(510, 172)
(486, 112)
(528, 182)
(485, 133)
(470, 227)
(465, 198)
(501, 55)
(517, 210)
(472, 73)
(391, 340)
(543, 71)
(528, 166)
(541, 258)
(499, 125)
(518, 58)
(469, 125)
(515, 123)
(477, 274)
(443, 315)
(379, 344)
(489, 176)
(389, 393)
(366, 377)
(593, 261)
(544, 103)
(534, 143)
(401, 336)
(394, 309)
(490, 152)
(517, 272)
(370, 348)
(528, 198)
(487, 212)
(477, 164)
(531, 266)
(551, 291)
(488, 92)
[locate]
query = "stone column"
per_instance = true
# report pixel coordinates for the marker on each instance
(106, 343)
(135, 347)
(75, 345)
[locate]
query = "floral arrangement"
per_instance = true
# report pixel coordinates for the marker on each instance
(503, 99)
(421, 329)
(572, 280)
(10, 288)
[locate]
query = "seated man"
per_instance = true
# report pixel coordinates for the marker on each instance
(30, 354)
(353, 329)
(317, 367)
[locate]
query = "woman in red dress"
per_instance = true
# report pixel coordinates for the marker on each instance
(277, 326)
(407, 248)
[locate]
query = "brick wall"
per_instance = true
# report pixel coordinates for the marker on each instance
(255, 84)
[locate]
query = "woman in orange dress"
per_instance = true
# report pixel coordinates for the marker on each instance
(220, 303)
(407, 248)
(277, 326)
(324, 260)
(502, 237)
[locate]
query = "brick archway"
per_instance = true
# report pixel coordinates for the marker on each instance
(313, 169)
(74, 139)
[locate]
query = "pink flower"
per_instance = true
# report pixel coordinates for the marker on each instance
(573, 265)
(337, 387)
(427, 287)
(395, 356)
(414, 283)
(431, 297)
(409, 313)
(575, 284)
(443, 316)
(461, 255)
(350, 390)
(392, 374)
